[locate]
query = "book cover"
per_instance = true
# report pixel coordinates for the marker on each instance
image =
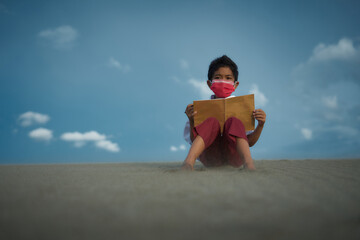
(241, 107)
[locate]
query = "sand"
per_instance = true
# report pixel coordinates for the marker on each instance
(298, 199)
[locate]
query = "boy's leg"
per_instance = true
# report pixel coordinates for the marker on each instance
(243, 149)
(237, 144)
(196, 149)
(205, 134)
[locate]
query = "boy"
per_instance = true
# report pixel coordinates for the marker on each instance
(232, 147)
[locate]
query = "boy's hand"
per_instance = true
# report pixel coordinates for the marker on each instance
(190, 112)
(260, 116)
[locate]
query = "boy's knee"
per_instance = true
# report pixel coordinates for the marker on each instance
(215, 124)
(235, 127)
(233, 120)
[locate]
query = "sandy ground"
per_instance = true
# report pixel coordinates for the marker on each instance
(302, 199)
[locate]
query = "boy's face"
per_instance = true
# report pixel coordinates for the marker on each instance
(224, 73)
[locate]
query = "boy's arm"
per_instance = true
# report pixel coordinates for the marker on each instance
(260, 116)
(191, 132)
(254, 136)
(190, 113)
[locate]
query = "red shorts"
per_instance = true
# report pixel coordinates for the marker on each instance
(220, 149)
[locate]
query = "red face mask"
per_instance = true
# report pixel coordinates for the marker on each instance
(222, 88)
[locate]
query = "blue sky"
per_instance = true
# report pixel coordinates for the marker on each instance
(103, 81)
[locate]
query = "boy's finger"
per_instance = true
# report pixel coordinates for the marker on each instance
(259, 115)
(260, 119)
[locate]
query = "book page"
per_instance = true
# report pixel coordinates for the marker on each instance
(209, 108)
(242, 108)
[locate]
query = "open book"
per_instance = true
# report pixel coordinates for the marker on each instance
(241, 107)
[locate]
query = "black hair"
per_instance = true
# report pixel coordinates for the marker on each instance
(223, 61)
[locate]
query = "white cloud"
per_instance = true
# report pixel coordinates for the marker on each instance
(327, 86)
(201, 87)
(82, 137)
(182, 147)
(344, 49)
(30, 118)
(260, 98)
(329, 64)
(307, 133)
(116, 64)
(330, 101)
(79, 144)
(41, 134)
(184, 64)
(80, 140)
(61, 37)
(107, 145)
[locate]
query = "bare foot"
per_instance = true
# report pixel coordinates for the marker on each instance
(250, 166)
(187, 167)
